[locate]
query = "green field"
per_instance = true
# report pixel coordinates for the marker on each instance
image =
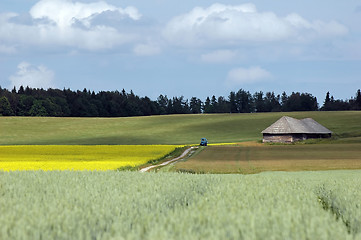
(341, 152)
(131, 205)
(256, 157)
(176, 129)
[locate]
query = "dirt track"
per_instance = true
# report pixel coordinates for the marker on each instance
(167, 162)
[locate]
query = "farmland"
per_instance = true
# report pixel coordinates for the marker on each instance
(256, 157)
(176, 129)
(182, 129)
(79, 157)
(130, 205)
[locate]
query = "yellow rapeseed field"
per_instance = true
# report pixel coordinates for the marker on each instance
(61, 157)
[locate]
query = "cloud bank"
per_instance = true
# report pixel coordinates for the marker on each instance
(65, 23)
(222, 24)
(32, 76)
(65, 13)
(75, 26)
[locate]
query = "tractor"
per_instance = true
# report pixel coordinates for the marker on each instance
(204, 142)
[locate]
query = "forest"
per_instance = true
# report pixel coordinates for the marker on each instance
(68, 103)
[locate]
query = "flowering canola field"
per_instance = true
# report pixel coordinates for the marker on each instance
(65, 157)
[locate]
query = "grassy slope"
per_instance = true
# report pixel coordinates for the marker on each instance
(176, 129)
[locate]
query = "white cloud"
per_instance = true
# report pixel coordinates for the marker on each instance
(247, 75)
(219, 56)
(236, 24)
(146, 50)
(32, 76)
(65, 23)
(65, 12)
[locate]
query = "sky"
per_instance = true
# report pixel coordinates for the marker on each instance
(182, 48)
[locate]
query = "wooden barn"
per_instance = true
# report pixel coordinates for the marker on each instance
(288, 130)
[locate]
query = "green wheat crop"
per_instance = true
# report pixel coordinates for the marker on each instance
(131, 205)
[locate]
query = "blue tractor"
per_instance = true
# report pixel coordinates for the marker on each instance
(204, 142)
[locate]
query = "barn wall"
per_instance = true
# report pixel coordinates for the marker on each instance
(318, 136)
(289, 138)
(277, 138)
(299, 137)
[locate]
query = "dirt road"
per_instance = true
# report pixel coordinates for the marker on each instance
(168, 162)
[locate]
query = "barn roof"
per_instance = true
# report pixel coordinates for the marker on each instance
(287, 125)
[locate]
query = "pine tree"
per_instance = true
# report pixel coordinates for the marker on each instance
(195, 105)
(207, 106)
(326, 104)
(5, 107)
(233, 102)
(358, 100)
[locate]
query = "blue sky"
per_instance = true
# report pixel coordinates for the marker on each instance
(190, 48)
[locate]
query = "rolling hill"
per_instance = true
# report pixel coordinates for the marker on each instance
(171, 129)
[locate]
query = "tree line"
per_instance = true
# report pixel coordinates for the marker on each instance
(67, 103)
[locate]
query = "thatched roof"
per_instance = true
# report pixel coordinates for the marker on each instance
(287, 125)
